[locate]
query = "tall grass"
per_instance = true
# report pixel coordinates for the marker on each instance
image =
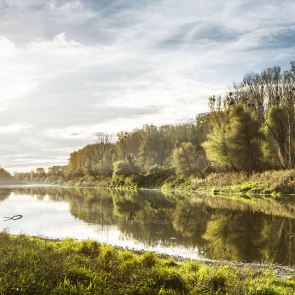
(267, 182)
(39, 266)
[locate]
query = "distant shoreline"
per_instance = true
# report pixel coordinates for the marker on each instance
(269, 184)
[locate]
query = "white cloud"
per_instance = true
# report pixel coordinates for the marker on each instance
(68, 6)
(13, 128)
(70, 69)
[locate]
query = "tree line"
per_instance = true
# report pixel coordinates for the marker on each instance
(249, 129)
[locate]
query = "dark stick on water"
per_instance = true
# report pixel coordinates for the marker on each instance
(14, 217)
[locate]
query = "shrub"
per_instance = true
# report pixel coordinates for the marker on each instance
(125, 168)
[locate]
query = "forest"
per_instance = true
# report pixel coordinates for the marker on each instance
(250, 129)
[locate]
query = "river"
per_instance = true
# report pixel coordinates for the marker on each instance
(188, 225)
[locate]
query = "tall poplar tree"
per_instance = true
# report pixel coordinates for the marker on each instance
(234, 144)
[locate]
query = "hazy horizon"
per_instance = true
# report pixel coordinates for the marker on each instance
(74, 69)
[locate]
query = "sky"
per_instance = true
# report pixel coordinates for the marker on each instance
(71, 70)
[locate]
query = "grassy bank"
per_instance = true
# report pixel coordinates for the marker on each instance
(38, 266)
(269, 183)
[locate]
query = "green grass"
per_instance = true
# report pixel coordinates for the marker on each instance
(271, 183)
(245, 188)
(39, 266)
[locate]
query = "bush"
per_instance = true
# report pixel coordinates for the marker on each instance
(157, 175)
(125, 168)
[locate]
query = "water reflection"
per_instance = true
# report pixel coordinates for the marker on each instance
(191, 226)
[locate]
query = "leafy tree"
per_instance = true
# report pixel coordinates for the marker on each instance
(259, 92)
(93, 160)
(185, 158)
(152, 147)
(40, 171)
(217, 147)
(244, 139)
(277, 147)
(4, 174)
(235, 143)
(56, 170)
(128, 143)
(87, 169)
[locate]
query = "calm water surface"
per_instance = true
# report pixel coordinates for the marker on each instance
(191, 226)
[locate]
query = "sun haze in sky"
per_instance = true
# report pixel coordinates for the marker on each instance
(73, 69)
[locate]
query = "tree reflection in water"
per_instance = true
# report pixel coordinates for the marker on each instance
(221, 228)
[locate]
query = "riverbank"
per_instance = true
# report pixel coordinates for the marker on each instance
(267, 184)
(272, 183)
(40, 266)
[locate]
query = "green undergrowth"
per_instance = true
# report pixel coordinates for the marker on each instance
(246, 188)
(272, 183)
(268, 183)
(40, 266)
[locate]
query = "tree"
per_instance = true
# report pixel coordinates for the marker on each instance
(4, 174)
(217, 147)
(244, 139)
(128, 143)
(277, 147)
(235, 143)
(185, 158)
(259, 92)
(152, 147)
(56, 170)
(92, 160)
(40, 171)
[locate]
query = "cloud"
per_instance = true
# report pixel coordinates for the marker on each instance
(68, 6)
(13, 128)
(72, 69)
